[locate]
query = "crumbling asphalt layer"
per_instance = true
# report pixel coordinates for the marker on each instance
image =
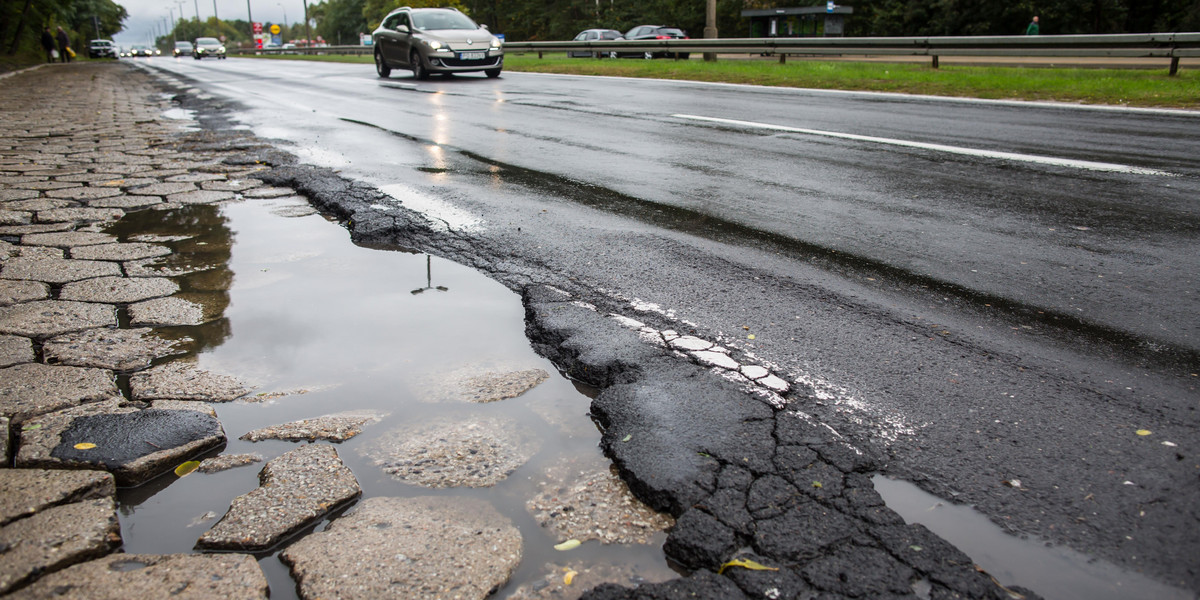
(746, 479)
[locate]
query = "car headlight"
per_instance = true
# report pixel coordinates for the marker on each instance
(433, 44)
(222, 49)
(158, 51)
(496, 43)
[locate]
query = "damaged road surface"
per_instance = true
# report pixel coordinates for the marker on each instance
(781, 294)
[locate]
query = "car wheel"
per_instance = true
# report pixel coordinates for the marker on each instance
(418, 68)
(492, 73)
(380, 67)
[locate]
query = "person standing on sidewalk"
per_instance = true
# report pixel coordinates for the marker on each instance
(48, 44)
(64, 42)
(1033, 27)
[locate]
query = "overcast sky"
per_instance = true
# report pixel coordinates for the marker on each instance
(144, 14)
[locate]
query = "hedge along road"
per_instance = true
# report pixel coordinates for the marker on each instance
(995, 299)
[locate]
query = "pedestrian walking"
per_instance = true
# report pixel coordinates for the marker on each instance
(64, 45)
(1033, 27)
(48, 44)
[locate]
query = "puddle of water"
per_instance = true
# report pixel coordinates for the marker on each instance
(302, 308)
(1054, 572)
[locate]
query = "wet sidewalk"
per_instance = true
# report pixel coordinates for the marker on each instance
(117, 254)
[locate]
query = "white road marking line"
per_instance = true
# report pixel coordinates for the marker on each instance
(1013, 156)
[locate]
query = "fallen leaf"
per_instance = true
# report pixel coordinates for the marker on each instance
(33, 427)
(746, 563)
(817, 484)
(84, 446)
(1143, 432)
(627, 438)
(186, 468)
(567, 545)
(915, 548)
(569, 577)
(750, 337)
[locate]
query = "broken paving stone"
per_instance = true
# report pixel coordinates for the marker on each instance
(38, 252)
(14, 291)
(197, 177)
(126, 202)
(124, 576)
(134, 444)
(14, 217)
(56, 538)
(35, 228)
(167, 312)
(40, 204)
(470, 385)
(296, 489)
(57, 270)
(425, 547)
(121, 251)
(83, 193)
(268, 192)
(163, 189)
(581, 501)
(232, 185)
(15, 350)
(337, 427)
(67, 239)
(118, 290)
(46, 318)
(225, 462)
(184, 381)
(32, 389)
(471, 451)
(716, 359)
(585, 575)
(80, 215)
(172, 265)
(9, 195)
(24, 492)
(200, 197)
(116, 349)
(294, 211)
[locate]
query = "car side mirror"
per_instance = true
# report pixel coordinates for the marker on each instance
(483, 25)
(402, 28)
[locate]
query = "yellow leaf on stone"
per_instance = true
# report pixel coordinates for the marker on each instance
(187, 468)
(746, 563)
(567, 545)
(569, 577)
(85, 446)
(1143, 432)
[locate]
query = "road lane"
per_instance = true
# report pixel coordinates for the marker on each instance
(973, 320)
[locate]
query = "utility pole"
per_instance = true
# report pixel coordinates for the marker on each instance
(307, 33)
(249, 17)
(215, 10)
(710, 27)
(197, 3)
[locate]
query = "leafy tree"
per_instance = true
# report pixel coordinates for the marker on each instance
(21, 22)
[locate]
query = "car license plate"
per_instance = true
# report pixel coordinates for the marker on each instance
(472, 55)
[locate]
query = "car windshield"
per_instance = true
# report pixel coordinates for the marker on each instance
(183, 45)
(207, 42)
(668, 31)
(442, 19)
(610, 35)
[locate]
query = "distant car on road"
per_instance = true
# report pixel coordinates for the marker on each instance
(207, 46)
(182, 49)
(141, 50)
(656, 32)
(102, 49)
(595, 35)
(435, 40)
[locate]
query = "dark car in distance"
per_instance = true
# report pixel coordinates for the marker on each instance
(141, 50)
(208, 46)
(102, 49)
(182, 49)
(656, 32)
(595, 35)
(435, 40)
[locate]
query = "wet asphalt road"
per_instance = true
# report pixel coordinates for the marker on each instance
(976, 320)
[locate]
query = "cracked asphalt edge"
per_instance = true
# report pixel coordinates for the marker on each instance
(748, 475)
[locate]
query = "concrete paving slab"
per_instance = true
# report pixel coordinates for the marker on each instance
(15, 350)
(231, 185)
(296, 489)
(337, 427)
(57, 270)
(120, 251)
(427, 547)
(115, 349)
(47, 318)
(80, 215)
(225, 462)
(465, 451)
(55, 539)
(480, 386)
(167, 312)
(67, 239)
(82, 193)
(40, 204)
(132, 443)
(32, 389)
(124, 576)
(24, 492)
(184, 381)
(35, 228)
(269, 192)
(126, 202)
(582, 501)
(17, 194)
(14, 291)
(201, 197)
(118, 290)
(15, 217)
(163, 189)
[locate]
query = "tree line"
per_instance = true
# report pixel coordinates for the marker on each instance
(21, 23)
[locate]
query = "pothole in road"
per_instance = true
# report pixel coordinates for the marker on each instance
(318, 326)
(1056, 573)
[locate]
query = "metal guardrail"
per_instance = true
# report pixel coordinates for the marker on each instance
(1172, 46)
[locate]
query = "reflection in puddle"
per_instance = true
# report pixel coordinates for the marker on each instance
(440, 213)
(317, 326)
(1054, 572)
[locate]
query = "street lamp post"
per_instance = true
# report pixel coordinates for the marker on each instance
(197, 3)
(307, 33)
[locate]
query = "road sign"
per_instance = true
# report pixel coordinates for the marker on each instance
(275, 29)
(257, 27)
